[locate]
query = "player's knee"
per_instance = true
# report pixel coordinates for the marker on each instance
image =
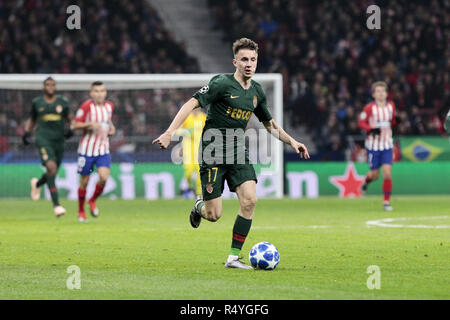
(248, 203)
(52, 169)
(387, 176)
(375, 176)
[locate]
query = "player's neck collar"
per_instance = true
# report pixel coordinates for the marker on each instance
(381, 105)
(235, 79)
(98, 105)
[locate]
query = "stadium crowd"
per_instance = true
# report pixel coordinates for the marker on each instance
(326, 53)
(329, 58)
(115, 37)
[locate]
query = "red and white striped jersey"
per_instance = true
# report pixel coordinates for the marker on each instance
(94, 143)
(382, 117)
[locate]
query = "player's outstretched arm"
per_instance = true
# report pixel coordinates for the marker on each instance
(282, 135)
(183, 113)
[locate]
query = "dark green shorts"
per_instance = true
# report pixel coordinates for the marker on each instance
(213, 178)
(50, 151)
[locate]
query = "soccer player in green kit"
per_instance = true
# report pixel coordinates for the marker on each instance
(233, 98)
(48, 113)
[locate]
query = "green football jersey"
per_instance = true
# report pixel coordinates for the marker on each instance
(231, 107)
(50, 118)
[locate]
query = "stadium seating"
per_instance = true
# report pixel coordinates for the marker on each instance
(329, 58)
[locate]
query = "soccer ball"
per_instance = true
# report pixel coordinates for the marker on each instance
(264, 255)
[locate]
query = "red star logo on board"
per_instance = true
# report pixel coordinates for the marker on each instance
(349, 184)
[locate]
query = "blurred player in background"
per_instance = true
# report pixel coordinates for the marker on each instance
(94, 118)
(233, 98)
(191, 130)
(447, 122)
(49, 113)
(378, 118)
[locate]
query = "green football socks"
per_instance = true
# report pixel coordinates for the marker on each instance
(53, 190)
(41, 181)
(240, 231)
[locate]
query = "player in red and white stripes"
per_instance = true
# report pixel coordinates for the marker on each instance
(94, 118)
(378, 118)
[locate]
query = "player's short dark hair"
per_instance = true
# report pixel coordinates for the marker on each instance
(96, 83)
(379, 84)
(244, 43)
(47, 79)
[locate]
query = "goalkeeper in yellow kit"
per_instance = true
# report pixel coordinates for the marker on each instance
(191, 131)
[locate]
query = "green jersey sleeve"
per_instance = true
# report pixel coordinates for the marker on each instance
(33, 113)
(210, 93)
(262, 111)
(65, 105)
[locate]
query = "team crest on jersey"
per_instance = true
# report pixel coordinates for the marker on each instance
(59, 108)
(255, 101)
(209, 188)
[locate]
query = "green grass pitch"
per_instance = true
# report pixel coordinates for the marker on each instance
(147, 250)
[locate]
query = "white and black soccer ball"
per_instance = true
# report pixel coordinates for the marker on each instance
(264, 255)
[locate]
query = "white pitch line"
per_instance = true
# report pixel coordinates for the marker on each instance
(386, 223)
(290, 227)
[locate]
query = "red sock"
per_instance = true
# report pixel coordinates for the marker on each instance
(98, 191)
(387, 189)
(81, 198)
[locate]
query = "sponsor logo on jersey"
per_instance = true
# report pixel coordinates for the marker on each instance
(59, 108)
(209, 188)
(51, 117)
(255, 101)
(237, 113)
